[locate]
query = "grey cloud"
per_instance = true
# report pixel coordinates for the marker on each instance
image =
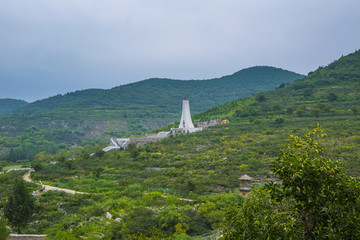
(53, 47)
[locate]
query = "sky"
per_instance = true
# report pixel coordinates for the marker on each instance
(50, 47)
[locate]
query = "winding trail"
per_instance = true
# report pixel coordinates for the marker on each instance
(26, 177)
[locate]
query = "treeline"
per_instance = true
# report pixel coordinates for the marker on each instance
(8, 105)
(33, 141)
(140, 106)
(329, 91)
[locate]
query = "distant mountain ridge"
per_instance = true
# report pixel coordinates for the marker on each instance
(329, 90)
(167, 93)
(52, 103)
(8, 105)
(137, 107)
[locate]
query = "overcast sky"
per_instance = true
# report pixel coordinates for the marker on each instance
(57, 46)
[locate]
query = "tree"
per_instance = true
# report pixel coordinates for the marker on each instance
(282, 85)
(260, 217)
(61, 235)
(300, 112)
(308, 92)
(279, 121)
(37, 165)
(99, 153)
(324, 199)
(316, 112)
(332, 97)
(19, 208)
(97, 171)
(4, 232)
(315, 200)
(355, 110)
(260, 97)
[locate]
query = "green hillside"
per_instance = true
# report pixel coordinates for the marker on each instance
(55, 102)
(159, 98)
(187, 184)
(137, 107)
(8, 105)
(331, 90)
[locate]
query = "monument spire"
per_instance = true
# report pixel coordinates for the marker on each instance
(186, 122)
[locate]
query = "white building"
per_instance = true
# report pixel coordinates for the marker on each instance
(186, 126)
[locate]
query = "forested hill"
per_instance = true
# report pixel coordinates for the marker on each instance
(8, 105)
(137, 107)
(333, 89)
(55, 102)
(153, 96)
(193, 179)
(259, 124)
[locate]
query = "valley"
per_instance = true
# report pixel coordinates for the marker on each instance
(187, 186)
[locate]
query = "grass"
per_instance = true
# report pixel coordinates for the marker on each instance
(5, 168)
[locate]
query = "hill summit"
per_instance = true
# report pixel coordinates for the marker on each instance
(8, 105)
(148, 104)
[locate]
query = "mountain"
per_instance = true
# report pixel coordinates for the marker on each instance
(159, 98)
(8, 105)
(193, 179)
(138, 107)
(55, 102)
(260, 123)
(330, 90)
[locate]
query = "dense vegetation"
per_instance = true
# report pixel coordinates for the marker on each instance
(76, 117)
(55, 102)
(187, 184)
(137, 107)
(8, 105)
(315, 199)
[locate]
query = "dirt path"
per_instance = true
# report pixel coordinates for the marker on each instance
(26, 177)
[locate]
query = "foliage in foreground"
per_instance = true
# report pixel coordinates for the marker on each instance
(315, 200)
(19, 208)
(4, 232)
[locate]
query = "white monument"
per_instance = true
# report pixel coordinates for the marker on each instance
(186, 124)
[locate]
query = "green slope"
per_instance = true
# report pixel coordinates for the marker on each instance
(159, 98)
(138, 107)
(212, 160)
(8, 105)
(329, 91)
(191, 180)
(55, 102)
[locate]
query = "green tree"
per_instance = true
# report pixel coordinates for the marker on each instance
(325, 199)
(282, 85)
(97, 171)
(37, 165)
(260, 217)
(260, 97)
(99, 153)
(19, 208)
(332, 97)
(316, 199)
(289, 110)
(169, 217)
(316, 112)
(301, 112)
(308, 92)
(355, 110)
(61, 235)
(4, 232)
(279, 121)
